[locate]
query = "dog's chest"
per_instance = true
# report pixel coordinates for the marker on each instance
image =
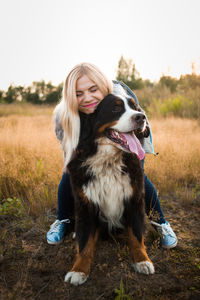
(110, 186)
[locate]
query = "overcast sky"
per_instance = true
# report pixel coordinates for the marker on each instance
(43, 39)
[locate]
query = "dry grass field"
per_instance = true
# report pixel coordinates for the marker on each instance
(30, 170)
(176, 168)
(31, 157)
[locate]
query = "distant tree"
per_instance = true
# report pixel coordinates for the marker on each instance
(148, 83)
(11, 94)
(169, 82)
(1, 96)
(40, 88)
(43, 93)
(55, 95)
(189, 81)
(32, 96)
(128, 74)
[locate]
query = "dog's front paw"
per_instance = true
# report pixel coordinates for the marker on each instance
(76, 278)
(145, 267)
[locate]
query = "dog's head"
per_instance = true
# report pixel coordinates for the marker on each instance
(120, 114)
(120, 119)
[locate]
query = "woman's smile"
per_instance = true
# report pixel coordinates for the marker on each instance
(88, 94)
(91, 105)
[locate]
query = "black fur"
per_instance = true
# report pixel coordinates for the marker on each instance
(87, 214)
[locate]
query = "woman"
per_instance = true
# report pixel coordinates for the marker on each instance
(84, 88)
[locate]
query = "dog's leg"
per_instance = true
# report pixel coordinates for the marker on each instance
(134, 216)
(87, 236)
(141, 261)
(80, 271)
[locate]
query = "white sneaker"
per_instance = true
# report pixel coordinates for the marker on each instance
(168, 237)
(57, 231)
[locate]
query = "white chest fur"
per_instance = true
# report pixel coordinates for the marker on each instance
(110, 186)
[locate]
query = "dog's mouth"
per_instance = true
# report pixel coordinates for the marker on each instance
(128, 141)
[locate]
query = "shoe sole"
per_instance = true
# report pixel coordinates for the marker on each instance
(171, 246)
(55, 243)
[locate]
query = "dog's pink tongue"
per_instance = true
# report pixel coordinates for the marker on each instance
(134, 145)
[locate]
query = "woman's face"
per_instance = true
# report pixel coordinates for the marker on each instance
(88, 94)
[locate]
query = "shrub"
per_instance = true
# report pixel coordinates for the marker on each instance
(12, 207)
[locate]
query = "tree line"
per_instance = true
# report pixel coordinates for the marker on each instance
(39, 92)
(168, 96)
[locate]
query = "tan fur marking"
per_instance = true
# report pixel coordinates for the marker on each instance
(102, 128)
(83, 196)
(85, 258)
(133, 101)
(137, 249)
(119, 102)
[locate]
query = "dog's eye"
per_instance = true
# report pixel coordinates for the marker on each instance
(117, 108)
(133, 106)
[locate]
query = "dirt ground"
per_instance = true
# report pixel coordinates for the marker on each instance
(32, 269)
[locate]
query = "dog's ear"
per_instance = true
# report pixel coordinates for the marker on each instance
(86, 145)
(93, 125)
(86, 123)
(106, 114)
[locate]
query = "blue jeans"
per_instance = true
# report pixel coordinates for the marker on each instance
(66, 200)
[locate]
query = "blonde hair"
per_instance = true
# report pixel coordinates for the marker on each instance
(67, 109)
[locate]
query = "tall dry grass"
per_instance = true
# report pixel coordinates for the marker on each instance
(177, 166)
(24, 109)
(31, 158)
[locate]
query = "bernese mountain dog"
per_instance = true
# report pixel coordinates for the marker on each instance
(108, 183)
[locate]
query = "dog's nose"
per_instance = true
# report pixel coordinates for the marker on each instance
(139, 118)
